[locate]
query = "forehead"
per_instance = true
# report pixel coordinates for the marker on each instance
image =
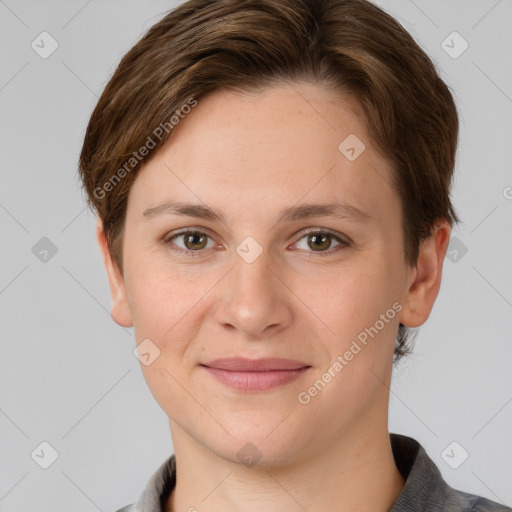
(281, 145)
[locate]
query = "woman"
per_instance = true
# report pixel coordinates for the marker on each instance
(272, 185)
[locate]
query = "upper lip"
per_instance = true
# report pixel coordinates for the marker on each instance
(241, 364)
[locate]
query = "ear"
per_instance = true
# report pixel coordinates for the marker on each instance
(120, 309)
(425, 278)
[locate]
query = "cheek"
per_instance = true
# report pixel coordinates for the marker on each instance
(160, 294)
(169, 306)
(164, 304)
(348, 298)
(358, 306)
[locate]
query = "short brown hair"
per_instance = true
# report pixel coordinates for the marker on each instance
(350, 46)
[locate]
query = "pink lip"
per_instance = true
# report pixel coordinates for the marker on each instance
(255, 374)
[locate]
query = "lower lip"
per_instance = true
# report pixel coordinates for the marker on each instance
(255, 381)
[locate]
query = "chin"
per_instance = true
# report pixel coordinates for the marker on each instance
(258, 447)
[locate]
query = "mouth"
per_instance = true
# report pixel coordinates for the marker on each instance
(255, 374)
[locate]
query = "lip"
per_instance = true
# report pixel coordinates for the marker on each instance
(243, 364)
(255, 374)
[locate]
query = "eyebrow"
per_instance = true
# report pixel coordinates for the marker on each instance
(290, 214)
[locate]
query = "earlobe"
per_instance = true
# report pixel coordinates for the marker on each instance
(120, 309)
(426, 277)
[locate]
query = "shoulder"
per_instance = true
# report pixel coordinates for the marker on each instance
(459, 500)
(157, 489)
(425, 489)
(480, 504)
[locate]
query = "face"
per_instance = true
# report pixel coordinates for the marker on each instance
(226, 257)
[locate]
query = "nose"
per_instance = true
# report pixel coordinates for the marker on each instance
(253, 299)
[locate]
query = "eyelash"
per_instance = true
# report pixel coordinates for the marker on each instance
(190, 253)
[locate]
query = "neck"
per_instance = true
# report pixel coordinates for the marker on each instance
(363, 477)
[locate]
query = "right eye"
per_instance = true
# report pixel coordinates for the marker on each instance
(193, 241)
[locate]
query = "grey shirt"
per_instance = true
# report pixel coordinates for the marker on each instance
(424, 490)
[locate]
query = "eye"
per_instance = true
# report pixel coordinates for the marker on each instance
(321, 241)
(193, 241)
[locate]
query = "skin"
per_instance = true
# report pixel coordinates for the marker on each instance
(250, 156)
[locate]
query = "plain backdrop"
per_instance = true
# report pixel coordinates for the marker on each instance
(68, 374)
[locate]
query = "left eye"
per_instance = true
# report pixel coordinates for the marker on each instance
(320, 241)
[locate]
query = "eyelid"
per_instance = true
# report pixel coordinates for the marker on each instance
(203, 231)
(339, 236)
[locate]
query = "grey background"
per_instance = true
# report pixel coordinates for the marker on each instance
(68, 374)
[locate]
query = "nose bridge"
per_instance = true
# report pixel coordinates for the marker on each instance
(254, 298)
